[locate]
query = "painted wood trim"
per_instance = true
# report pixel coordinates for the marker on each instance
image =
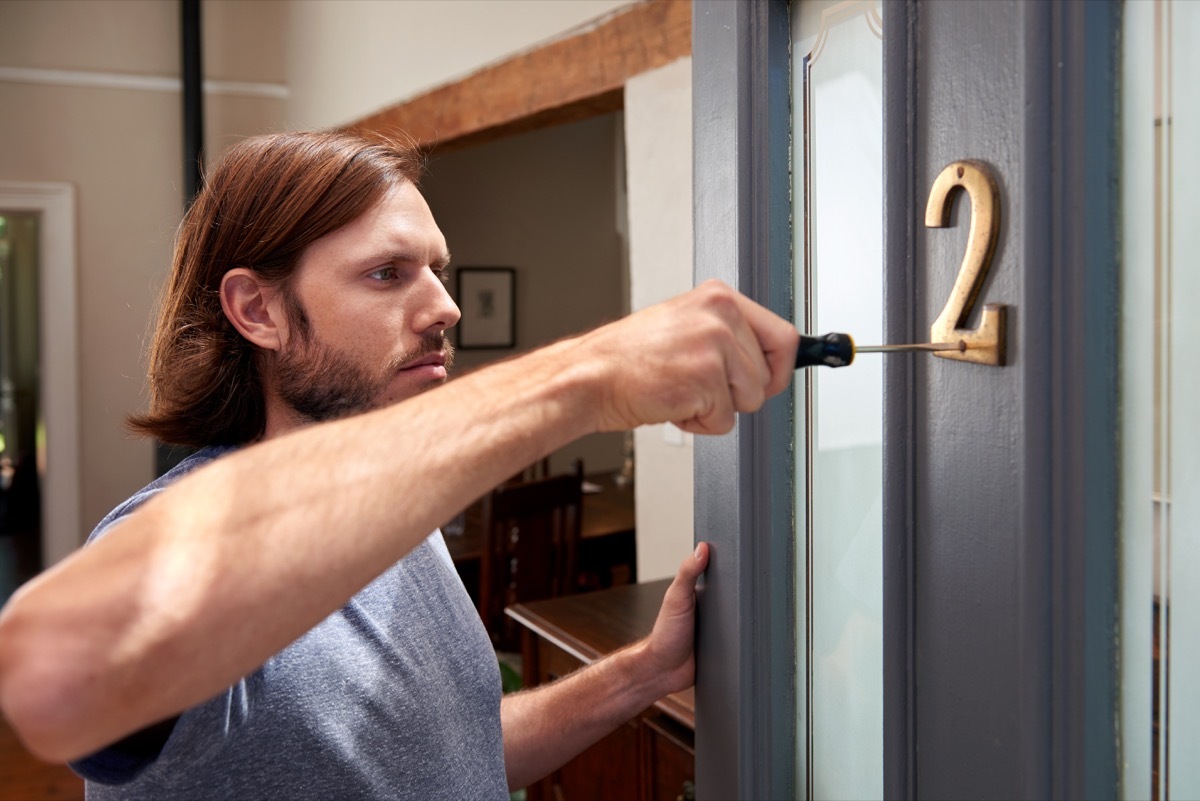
(1084, 300)
(93, 79)
(901, 204)
(569, 79)
(745, 693)
(1011, 600)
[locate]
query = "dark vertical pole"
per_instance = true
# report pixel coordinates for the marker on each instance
(193, 98)
(167, 456)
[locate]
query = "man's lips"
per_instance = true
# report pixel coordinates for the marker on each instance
(432, 360)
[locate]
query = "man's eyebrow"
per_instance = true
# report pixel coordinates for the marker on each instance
(410, 257)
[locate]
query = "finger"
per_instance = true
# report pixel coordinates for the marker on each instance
(748, 377)
(778, 341)
(718, 418)
(747, 370)
(681, 594)
(736, 373)
(766, 342)
(693, 566)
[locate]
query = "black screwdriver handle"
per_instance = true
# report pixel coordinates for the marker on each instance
(830, 350)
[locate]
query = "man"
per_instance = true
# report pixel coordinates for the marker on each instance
(278, 621)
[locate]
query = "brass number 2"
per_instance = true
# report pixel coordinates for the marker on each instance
(985, 344)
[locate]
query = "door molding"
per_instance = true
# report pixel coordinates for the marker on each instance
(900, 195)
(746, 674)
(1000, 614)
(57, 321)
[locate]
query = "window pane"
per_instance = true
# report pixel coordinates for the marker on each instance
(1160, 392)
(838, 263)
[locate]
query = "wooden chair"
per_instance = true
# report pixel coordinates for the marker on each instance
(538, 470)
(531, 547)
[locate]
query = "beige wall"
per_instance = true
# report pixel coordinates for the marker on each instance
(544, 203)
(121, 149)
(658, 154)
(349, 58)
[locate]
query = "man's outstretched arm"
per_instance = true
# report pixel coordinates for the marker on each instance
(545, 727)
(235, 561)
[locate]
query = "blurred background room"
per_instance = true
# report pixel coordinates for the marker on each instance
(559, 141)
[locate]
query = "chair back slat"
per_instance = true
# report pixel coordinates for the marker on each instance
(532, 547)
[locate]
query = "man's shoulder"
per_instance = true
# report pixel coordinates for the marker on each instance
(193, 461)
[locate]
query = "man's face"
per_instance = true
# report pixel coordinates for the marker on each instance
(367, 308)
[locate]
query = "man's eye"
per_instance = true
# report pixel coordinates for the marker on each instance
(384, 274)
(443, 275)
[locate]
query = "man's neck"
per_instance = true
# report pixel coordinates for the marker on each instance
(280, 418)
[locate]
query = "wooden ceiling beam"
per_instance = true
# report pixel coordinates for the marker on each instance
(565, 80)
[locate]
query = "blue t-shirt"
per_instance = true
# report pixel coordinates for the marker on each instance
(394, 696)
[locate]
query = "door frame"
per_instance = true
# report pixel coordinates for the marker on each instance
(1063, 443)
(54, 203)
(745, 692)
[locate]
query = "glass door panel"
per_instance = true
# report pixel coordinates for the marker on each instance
(1160, 393)
(837, 151)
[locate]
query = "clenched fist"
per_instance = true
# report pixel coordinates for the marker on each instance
(694, 361)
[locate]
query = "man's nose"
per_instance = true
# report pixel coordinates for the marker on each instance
(437, 311)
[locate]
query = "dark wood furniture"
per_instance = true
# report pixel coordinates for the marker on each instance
(608, 551)
(651, 756)
(531, 547)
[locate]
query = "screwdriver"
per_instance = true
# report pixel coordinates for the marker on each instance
(837, 350)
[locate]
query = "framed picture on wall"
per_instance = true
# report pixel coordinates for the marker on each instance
(487, 298)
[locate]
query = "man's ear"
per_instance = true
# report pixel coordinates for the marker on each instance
(254, 308)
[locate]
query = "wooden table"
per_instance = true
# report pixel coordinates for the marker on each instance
(652, 756)
(608, 526)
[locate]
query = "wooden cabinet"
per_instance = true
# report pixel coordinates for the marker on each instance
(650, 758)
(668, 759)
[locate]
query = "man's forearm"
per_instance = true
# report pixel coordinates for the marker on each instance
(547, 726)
(235, 561)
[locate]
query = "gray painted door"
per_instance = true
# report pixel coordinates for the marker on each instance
(999, 481)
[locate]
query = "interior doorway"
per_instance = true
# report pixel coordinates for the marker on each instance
(22, 429)
(40, 368)
(548, 204)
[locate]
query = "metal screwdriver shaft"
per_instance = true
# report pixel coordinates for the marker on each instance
(959, 346)
(838, 350)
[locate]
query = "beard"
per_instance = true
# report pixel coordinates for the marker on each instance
(320, 383)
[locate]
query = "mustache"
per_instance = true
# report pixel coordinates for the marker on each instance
(429, 344)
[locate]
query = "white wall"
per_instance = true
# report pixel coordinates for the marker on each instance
(350, 58)
(658, 157)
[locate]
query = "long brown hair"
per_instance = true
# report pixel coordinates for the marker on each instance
(268, 199)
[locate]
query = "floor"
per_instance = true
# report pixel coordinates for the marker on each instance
(24, 778)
